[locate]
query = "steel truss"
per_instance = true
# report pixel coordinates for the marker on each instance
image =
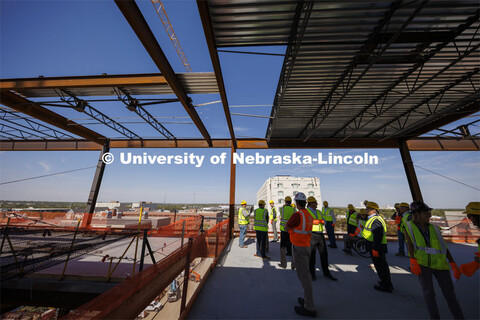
(84, 107)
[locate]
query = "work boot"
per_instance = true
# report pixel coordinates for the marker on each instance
(266, 258)
(244, 246)
(347, 251)
(382, 288)
(283, 266)
(400, 254)
(256, 255)
(304, 312)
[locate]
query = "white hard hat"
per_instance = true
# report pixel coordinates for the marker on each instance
(300, 196)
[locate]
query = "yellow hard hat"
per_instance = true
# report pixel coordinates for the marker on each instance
(243, 202)
(261, 202)
(473, 208)
(287, 198)
(325, 203)
(372, 205)
(362, 211)
(311, 199)
(351, 207)
(271, 201)
(397, 205)
(293, 205)
(404, 204)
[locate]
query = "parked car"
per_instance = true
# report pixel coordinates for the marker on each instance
(154, 306)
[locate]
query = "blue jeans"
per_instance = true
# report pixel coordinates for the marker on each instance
(243, 232)
(401, 242)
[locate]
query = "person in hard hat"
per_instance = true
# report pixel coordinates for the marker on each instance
(365, 203)
(285, 245)
(428, 257)
(318, 240)
(261, 229)
(352, 224)
(402, 209)
(330, 220)
(473, 213)
(375, 231)
(273, 220)
(362, 220)
(300, 228)
(243, 221)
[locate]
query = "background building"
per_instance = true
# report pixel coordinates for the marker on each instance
(278, 187)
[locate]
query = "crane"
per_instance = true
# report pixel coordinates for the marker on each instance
(162, 14)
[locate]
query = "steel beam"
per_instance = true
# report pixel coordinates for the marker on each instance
(29, 124)
(84, 82)
(410, 171)
(140, 26)
(210, 37)
(134, 105)
(32, 109)
(417, 144)
(94, 190)
(83, 106)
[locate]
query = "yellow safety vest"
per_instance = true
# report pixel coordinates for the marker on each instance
(435, 256)
(352, 219)
(272, 210)
(326, 214)
(316, 227)
(260, 223)
(286, 213)
(241, 216)
(367, 231)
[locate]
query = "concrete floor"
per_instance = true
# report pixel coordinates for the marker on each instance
(245, 287)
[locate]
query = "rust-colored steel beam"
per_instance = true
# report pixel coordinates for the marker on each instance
(140, 26)
(210, 37)
(417, 144)
(83, 82)
(32, 109)
(410, 171)
(433, 144)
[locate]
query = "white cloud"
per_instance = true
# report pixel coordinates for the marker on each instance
(45, 166)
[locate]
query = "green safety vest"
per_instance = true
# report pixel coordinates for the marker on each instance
(435, 256)
(260, 223)
(287, 212)
(272, 216)
(407, 217)
(367, 231)
(242, 220)
(326, 214)
(315, 227)
(352, 219)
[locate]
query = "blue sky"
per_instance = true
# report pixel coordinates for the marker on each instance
(66, 38)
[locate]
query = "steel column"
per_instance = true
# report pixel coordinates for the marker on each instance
(97, 181)
(410, 171)
(231, 211)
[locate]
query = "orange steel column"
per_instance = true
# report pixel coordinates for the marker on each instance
(231, 212)
(97, 181)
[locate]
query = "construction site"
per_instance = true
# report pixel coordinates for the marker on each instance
(349, 76)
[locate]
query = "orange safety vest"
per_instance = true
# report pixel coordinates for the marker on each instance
(300, 235)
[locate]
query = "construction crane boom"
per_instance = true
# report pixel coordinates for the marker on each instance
(162, 14)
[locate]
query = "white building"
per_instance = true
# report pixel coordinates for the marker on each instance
(109, 205)
(278, 187)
